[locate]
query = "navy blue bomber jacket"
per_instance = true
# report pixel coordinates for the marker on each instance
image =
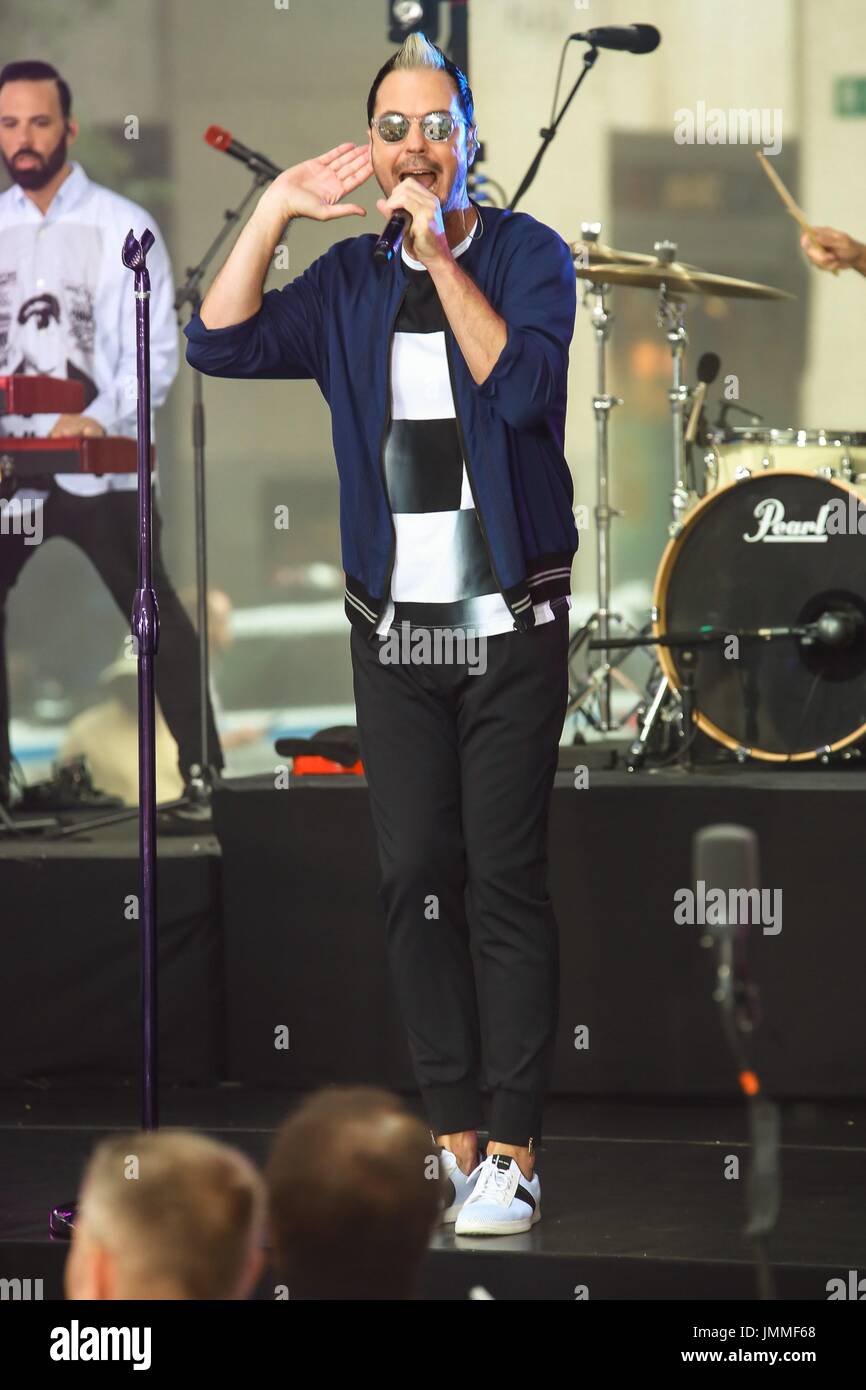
(334, 324)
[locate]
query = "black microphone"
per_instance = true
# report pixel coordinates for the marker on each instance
(836, 627)
(726, 857)
(630, 38)
(391, 240)
(708, 367)
(259, 163)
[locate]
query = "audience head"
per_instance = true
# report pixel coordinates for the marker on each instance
(169, 1215)
(354, 1192)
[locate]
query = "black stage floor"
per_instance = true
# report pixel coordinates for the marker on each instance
(634, 1198)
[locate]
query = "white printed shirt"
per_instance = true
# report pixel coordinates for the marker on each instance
(67, 309)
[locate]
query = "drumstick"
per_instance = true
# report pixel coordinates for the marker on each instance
(697, 406)
(797, 213)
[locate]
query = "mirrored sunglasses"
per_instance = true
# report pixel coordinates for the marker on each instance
(436, 125)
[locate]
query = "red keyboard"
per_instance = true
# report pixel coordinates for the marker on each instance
(40, 395)
(29, 458)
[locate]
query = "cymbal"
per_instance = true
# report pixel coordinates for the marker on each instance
(678, 278)
(598, 252)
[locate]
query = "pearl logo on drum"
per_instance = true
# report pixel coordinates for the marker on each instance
(772, 526)
(834, 518)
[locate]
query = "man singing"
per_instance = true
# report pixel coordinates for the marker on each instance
(67, 309)
(445, 371)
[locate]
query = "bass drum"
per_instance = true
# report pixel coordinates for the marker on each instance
(776, 550)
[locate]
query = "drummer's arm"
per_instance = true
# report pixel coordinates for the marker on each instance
(835, 250)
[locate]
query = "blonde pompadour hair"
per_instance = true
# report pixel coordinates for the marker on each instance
(417, 51)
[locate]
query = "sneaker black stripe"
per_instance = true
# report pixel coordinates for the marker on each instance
(525, 1195)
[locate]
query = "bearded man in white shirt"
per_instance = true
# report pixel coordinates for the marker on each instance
(67, 309)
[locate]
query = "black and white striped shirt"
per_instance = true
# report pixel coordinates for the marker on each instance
(442, 575)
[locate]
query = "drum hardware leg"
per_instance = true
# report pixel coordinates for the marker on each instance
(590, 685)
(599, 679)
(582, 635)
(605, 672)
(688, 660)
(638, 750)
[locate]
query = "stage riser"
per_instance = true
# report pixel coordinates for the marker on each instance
(69, 988)
(287, 934)
(305, 939)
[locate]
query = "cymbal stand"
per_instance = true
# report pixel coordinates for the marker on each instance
(597, 682)
(671, 318)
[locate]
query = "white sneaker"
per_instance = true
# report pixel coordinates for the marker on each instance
(459, 1186)
(502, 1203)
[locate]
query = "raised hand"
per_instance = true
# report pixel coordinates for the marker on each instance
(314, 189)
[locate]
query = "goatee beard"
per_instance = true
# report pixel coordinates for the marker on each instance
(38, 175)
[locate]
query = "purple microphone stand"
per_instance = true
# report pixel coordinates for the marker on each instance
(145, 633)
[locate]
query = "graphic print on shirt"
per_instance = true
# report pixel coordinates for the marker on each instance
(79, 300)
(8, 279)
(49, 328)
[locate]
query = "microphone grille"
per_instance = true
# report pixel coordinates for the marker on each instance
(648, 38)
(708, 367)
(218, 137)
(726, 856)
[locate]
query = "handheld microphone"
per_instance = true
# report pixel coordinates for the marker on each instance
(389, 243)
(630, 38)
(223, 140)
